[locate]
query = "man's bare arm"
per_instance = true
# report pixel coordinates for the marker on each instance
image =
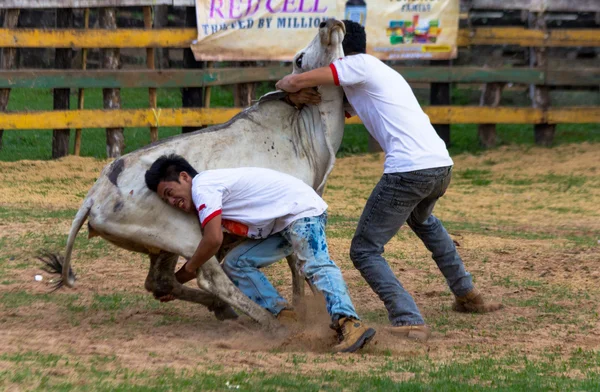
(306, 96)
(317, 77)
(212, 239)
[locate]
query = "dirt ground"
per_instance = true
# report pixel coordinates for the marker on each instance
(527, 222)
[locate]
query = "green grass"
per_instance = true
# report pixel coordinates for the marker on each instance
(564, 182)
(36, 144)
(23, 215)
(515, 372)
(339, 226)
(587, 239)
(475, 176)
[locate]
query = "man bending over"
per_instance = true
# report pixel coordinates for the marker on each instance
(279, 214)
(417, 172)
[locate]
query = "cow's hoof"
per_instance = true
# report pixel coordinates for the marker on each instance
(225, 313)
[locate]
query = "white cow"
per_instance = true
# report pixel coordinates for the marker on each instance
(270, 134)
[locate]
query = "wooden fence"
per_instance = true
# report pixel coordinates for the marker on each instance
(539, 74)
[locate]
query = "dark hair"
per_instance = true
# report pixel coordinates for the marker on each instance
(355, 40)
(167, 168)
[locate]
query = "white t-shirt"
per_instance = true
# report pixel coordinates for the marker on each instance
(253, 202)
(388, 108)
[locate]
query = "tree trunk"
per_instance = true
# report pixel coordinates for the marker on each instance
(62, 60)
(8, 60)
(115, 141)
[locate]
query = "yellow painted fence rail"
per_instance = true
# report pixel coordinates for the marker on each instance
(183, 37)
(204, 116)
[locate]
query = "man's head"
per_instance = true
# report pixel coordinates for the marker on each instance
(355, 40)
(171, 177)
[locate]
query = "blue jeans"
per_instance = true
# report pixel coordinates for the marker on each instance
(398, 198)
(306, 239)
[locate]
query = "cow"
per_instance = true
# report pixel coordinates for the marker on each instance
(270, 134)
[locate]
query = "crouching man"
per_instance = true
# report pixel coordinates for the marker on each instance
(279, 214)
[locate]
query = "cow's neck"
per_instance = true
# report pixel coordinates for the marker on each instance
(332, 114)
(323, 125)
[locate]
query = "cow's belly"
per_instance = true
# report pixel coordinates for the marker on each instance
(133, 213)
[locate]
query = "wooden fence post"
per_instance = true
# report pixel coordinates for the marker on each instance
(62, 60)
(8, 59)
(191, 97)
(244, 93)
(490, 96)
(207, 89)
(161, 19)
(150, 64)
(373, 145)
(81, 92)
(440, 96)
(115, 141)
(540, 95)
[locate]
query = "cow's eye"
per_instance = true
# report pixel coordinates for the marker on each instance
(299, 60)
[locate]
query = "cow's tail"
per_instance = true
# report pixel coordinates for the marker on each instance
(55, 263)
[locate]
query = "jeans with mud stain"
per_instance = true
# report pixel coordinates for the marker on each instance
(406, 197)
(305, 238)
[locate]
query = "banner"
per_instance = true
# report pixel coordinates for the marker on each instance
(278, 29)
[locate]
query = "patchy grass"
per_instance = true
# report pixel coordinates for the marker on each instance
(515, 372)
(528, 236)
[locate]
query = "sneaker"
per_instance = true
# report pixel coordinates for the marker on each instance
(419, 332)
(287, 317)
(352, 335)
(474, 302)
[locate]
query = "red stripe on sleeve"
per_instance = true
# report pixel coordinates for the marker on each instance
(348, 115)
(203, 206)
(336, 79)
(208, 218)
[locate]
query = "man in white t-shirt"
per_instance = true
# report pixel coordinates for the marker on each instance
(279, 214)
(417, 172)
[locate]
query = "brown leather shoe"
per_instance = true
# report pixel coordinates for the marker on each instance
(419, 332)
(352, 335)
(287, 317)
(474, 302)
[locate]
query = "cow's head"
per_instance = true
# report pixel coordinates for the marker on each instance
(324, 48)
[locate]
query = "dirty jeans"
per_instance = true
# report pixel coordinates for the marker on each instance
(306, 238)
(406, 197)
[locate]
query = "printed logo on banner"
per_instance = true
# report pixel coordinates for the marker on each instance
(278, 29)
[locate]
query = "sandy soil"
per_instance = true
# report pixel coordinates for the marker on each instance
(527, 237)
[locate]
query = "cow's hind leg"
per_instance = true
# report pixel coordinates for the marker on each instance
(297, 280)
(213, 279)
(161, 281)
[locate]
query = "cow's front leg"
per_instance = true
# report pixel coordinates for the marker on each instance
(161, 281)
(213, 279)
